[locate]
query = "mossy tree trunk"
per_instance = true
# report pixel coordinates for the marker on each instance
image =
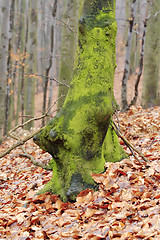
(80, 137)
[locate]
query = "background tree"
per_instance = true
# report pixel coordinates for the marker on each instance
(151, 82)
(4, 38)
(21, 59)
(68, 45)
(131, 20)
(8, 119)
(29, 95)
(50, 30)
(56, 58)
(80, 138)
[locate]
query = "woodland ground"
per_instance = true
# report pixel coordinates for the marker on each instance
(126, 206)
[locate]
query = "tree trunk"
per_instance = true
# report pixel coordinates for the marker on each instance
(68, 49)
(5, 8)
(150, 91)
(80, 137)
(8, 120)
(16, 38)
(134, 100)
(29, 95)
(127, 57)
(50, 57)
(56, 58)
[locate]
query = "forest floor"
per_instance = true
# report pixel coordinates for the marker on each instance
(126, 206)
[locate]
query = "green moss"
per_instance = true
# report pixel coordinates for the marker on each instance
(111, 149)
(54, 185)
(79, 137)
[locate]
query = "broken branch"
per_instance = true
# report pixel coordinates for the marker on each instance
(119, 134)
(22, 141)
(25, 154)
(19, 143)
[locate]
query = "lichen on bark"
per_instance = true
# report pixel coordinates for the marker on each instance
(80, 137)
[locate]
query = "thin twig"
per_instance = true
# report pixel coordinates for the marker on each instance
(127, 142)
(66, 25)
(25, 154)
(132, 152)
(46, 114)
(51, 78)
(21, 142)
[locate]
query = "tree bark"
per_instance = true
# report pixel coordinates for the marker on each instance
(8, 120)
(5, 8)
(50, 63)
(150, 91)
(29, 95)
(56, 58)
(134, 100)
(16, 50)
(68, 46)
(80, 137)
(131, 20)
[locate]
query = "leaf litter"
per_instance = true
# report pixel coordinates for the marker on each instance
(126, 206)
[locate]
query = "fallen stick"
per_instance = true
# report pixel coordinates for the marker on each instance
(21, 142)
(119, 134)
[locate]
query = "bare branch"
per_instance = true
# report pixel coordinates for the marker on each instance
(119, 134)
(20, 142)
(51, 78)
(66, 25)
(25, 154)
(155, 15)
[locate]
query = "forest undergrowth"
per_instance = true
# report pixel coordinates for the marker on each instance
(126, 206)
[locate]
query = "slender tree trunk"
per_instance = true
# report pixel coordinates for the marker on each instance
(68, 49)
(134, 100)
(29, 98)
(24, 25)
(135, 48)
(131, 20)
(15, 98)
(80, 137)
(40, 43)
(21, 49)
(151, 94)
(3, 59)
(141, 60)
(8, 119)
(50, 57)
(48, 51)
(56, 58)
